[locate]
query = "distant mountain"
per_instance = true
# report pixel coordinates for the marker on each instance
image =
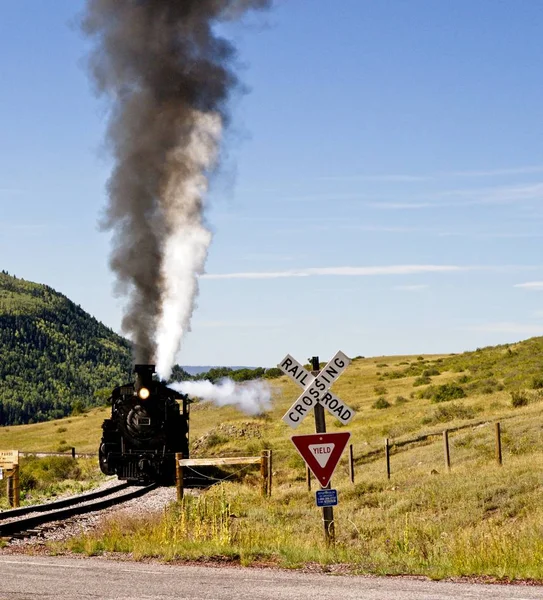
(198, 370)
(54, 356)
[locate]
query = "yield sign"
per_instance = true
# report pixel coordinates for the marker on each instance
(321, 452)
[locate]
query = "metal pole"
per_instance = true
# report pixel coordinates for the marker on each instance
(320, 427)
(498, 444)
(446, 449)
(351, 463)
(16, 490)
(387, 456)
(308, 478)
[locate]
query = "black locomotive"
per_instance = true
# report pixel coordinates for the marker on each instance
(149, 423)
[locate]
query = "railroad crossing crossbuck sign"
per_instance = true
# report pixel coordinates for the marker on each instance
(316, 389)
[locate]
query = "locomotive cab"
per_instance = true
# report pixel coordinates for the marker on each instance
(149, 424)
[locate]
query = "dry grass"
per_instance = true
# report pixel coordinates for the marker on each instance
(479, 519)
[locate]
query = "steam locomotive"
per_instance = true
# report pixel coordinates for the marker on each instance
(149, 423)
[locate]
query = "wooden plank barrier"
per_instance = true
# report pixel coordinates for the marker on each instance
(264, 460)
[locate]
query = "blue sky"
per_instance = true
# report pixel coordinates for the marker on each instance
(381, 193)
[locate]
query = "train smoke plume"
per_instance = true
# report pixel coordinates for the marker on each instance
(252, 397)
(168, 77)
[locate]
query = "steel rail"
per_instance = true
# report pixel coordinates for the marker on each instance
(24, 510)
(28, 523)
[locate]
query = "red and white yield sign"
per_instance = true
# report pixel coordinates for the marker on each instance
(321, 452)
(316, 389)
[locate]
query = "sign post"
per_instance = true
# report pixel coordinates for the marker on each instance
(321, 454)
(9, 465)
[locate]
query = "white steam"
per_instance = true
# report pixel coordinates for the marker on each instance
(251, 397)
(186, 240)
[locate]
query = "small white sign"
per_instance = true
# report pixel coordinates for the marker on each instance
(321, 452)
(1, 473)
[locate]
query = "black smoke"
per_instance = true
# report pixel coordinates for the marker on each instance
(163, 68)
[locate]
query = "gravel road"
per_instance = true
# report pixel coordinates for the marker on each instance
(60, 578)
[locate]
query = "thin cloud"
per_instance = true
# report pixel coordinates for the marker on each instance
(458, 198)
(260, 324)
(407, 178)
(496, 172)
(369, 271)
(15, 191)
(386, 178)
(530, 285)
(507, 327)
(342, 271)
(411, 288)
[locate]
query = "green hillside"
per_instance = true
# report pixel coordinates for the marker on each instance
(54, 356)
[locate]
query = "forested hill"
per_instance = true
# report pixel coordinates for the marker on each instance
(54, 356)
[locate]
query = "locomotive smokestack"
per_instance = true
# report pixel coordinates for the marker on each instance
(143, 380)
(168, 76)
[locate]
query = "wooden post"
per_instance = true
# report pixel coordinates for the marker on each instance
(387, 456)
(270, 472)
(12, 484)
(320, 427)
(308, 478)
(351, 463)
(9, 487)
(498, 444)
(446, 449)
(179, 476)
(264, 472)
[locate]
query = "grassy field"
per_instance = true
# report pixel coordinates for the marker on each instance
(478, 519)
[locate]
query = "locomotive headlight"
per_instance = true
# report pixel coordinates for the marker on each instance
(144, 393)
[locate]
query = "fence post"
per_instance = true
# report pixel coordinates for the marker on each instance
(387, 455)
(12, 487)
(73, 452)
(179, 476)
(446, 449)
(498, 444)
(264, 472)
(270, 472)
(351, 463)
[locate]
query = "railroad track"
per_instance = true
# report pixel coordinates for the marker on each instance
(24, 520)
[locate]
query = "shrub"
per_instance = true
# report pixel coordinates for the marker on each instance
(381, 364)
(401, 400)
(537, 383)
(449, 412)
(78, 408)
(431, 371)
(61, 430)
(443, 393)
(448, 391)
(380, 403)
(519, 398)
(380, 390)
(422, 380)
(273, 373)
